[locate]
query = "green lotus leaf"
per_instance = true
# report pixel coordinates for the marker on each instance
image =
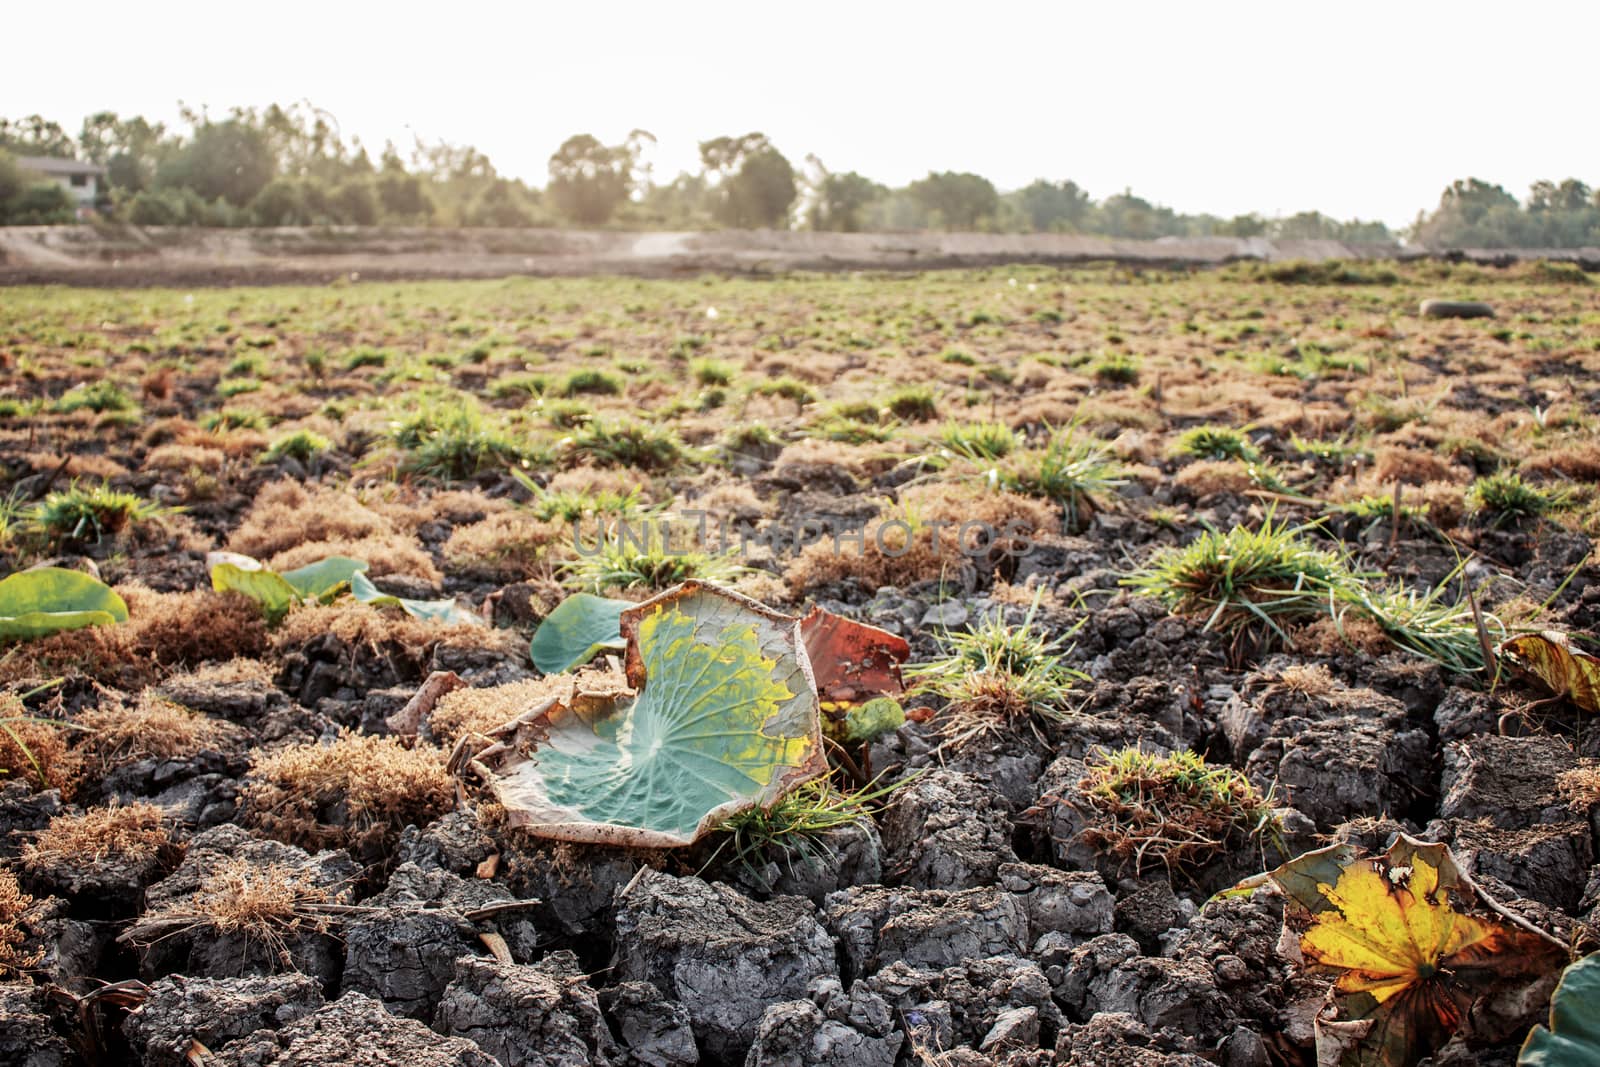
(723, 718)
(324, 579)
(579, 627)
(51, 599)
(445, 611)
(1573, 1037)
(277, 593)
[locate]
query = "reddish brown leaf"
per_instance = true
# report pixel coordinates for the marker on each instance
(852, 662)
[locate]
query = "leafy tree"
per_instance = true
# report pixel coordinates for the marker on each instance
(11, 180)
(401, 196)
(841, 201)
(956, 201)
(35, 136)
(589, 181)
(355, 202)
(755, 183)
(227, 160)
(129, 149)
(1251, 225)
(1126, 215)
(38, 204)
(1052, 207)
(502, 203)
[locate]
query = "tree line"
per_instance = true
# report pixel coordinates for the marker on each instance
(292, 166)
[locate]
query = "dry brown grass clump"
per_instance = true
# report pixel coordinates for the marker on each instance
(185, 629)
(285, 514)
(317, 795)
(1206, 477)
(269, 904)
(385, 554)
(506, 547)
(133, 831)
(1580, 787)
(1175, 810)
(891, 556)
(152, 728)
(14, 903)
(387, 632)
(478, 711)
(1325, 637)
(34, 750)
(1308, 679)
(1411, 466)
(175, 457)
(1580, 462)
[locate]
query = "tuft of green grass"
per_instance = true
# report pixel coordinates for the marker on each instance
(998, 675)
(589, 382)
(751, 437)
(1375, 510)
(796, 828)
(233, 419)
(366, 356)
(99, 397)
(566, 414)
(1176, 810)
(300, 445)
(1244, 578)
(453, 441)
(712, 372)
(789, 389)
(914, 403)
(1118, 368)
(631, 444)
(1505, 497)
(633, 556)
(1070, 470)
(1335, 452)
(80, 514)
(980, 441)
(862, 411)
(232, 387)
(518, 386)
(1429, 624)
(1216, 442)
(573, 505)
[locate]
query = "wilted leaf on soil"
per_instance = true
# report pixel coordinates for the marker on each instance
(579, 627)
(724, 718)
(853, 662)
(857, 668)
(445, 611)
(50, 599)
(1573, 1038)
(1417, 951)
(277, 593)
(1550, 659)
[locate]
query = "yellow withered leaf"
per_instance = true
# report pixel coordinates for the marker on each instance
(1550, 659)
(1414, 948)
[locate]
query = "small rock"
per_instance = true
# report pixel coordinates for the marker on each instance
(946, 615)
(214, 1011)
(353, 1031)
(1016, 1028)
(946, 830)
(526, 1016)
(26, 1037)
(655, 1031)
(876, 926)
(725, 957)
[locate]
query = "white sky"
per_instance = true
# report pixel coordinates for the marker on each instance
(1355, 108)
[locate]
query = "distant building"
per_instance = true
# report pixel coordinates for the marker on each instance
(81, 180)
